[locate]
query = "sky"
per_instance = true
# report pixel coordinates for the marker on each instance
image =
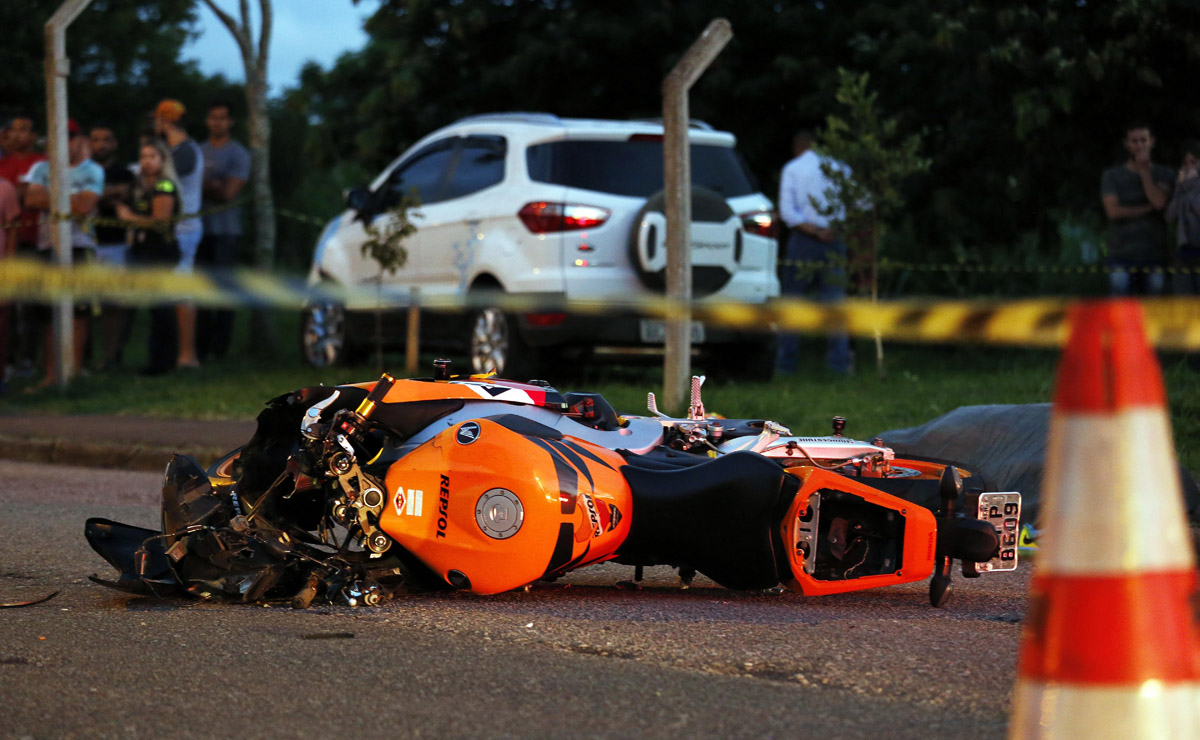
(303, 30)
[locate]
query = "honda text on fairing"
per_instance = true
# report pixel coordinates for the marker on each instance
(357, 493)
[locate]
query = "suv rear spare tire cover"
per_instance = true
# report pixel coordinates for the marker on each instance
(716, 242)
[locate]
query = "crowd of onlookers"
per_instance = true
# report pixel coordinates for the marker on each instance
(173, 206)
(1141, 201)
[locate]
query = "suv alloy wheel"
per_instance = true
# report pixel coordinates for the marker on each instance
(323, 334)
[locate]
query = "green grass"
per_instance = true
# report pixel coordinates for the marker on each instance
(923, 381)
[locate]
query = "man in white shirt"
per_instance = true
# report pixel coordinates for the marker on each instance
(804, 206)
(85, 179)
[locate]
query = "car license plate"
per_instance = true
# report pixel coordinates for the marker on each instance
(654, 331)
(1003, 510)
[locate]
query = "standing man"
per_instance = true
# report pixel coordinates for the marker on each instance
(1134, 195)
(226, 169)
(19, 157)
(803, 204)
(85, 183)
(10, 208)
(111, 248)
(189, 165)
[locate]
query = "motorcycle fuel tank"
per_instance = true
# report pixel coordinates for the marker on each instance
(493, 504)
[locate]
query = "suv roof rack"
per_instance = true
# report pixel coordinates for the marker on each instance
(695, 123)
(516, 117)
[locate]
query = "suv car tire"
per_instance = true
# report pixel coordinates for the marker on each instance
(710, 214)
(323, 337)
(494, 343)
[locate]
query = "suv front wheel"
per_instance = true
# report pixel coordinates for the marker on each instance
(323, 334)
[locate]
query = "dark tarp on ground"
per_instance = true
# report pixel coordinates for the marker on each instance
(1006, 445)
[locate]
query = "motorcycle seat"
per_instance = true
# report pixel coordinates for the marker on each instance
(719, 516)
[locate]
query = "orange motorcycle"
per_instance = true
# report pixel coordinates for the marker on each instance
(358, 493)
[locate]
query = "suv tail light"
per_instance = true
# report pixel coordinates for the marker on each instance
(541, 217)
(763, 223)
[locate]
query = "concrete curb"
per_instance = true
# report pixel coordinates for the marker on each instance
(59, 451)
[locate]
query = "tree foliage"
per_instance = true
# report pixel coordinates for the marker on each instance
(387, 232)
(125, 57)
(1018, 106)
(866, 195)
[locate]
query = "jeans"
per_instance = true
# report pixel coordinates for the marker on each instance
(188, 240)
(1135, 277)
(829, 283)
(214, 327)
(1187, 280)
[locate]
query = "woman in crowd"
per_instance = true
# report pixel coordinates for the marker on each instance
(1183, 212)
(151, 215)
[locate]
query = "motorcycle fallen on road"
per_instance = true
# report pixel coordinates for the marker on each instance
(359, 493)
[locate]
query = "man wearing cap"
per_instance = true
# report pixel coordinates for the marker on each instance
(189, 165)
(85, 183)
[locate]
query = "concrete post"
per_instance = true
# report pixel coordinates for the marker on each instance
(677, 187)
(412, 344)
(57, 68)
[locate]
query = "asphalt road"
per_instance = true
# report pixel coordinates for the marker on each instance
(579, 659)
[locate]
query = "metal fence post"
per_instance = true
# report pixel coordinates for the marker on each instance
(412, 344)
(677, 173)
(57, 68)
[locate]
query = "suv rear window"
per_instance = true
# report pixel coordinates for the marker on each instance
(634, 168)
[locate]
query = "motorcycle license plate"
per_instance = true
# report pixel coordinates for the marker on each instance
(654, 331)
(1003, 510)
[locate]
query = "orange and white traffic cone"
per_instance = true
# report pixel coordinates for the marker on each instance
(1110, 648)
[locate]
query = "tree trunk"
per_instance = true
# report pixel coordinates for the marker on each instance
(259, 125)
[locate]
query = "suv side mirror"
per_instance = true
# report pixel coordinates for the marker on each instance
(359, 199)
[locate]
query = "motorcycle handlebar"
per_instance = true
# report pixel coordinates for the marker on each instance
(382, 386)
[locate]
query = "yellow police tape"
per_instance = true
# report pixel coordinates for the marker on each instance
(807, 267)
(1172, 323)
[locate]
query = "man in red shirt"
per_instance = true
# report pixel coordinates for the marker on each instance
(18, 160)
(9, 210)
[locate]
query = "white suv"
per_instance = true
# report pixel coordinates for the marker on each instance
(551, 209)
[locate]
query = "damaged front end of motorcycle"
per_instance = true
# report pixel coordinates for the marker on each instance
(293, 523)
